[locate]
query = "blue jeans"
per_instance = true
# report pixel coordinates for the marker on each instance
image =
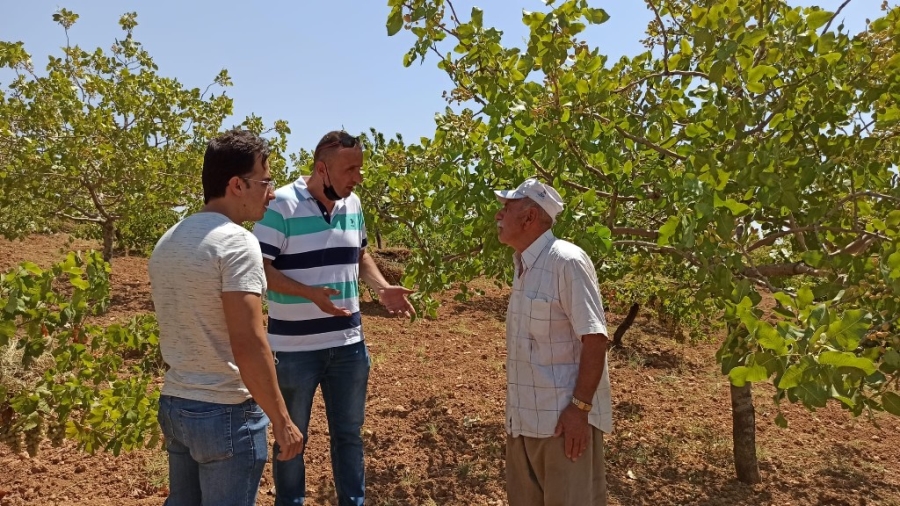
(343, 373)
(217, 452)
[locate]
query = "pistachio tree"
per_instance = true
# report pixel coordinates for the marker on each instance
(101, 138)
(751, 149)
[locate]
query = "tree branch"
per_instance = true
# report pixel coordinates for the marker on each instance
(594, 170)
(79, 218)
(783, 270)
(453, 258)
(665, 36)
(770, 239)
(838, 11)
(649, 234)
(661, 249)
(640, 140)
(667, 73)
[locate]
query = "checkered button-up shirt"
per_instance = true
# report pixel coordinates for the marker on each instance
(555, 300)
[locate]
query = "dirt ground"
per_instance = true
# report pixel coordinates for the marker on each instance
(434, 431)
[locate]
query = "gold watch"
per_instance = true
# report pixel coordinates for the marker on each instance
(580, 404)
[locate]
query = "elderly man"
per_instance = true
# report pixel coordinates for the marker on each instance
(557, 399)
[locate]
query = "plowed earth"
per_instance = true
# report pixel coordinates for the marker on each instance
(434, 422)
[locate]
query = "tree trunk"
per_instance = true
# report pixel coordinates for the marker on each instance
(629, 320)
(109, 236)
(743, 422)
(378, 238)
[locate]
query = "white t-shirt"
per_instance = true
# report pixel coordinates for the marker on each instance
(192, 264)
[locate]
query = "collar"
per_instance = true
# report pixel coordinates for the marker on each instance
(302, 189)
(528, 257)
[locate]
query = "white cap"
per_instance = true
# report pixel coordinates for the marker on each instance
(543, 194)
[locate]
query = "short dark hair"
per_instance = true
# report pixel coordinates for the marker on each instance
(335, 139)
(234, 153)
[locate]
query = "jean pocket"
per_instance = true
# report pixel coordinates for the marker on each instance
(254, 415)
(207, 434)
(253, 410)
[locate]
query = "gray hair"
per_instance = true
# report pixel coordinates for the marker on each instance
(543, 217)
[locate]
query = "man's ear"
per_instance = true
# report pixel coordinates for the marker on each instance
(531, 214)
(235, 185)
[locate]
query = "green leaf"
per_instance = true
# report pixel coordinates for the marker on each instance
(7, 331)
(812, 395)
(781, 421)
(477, 17)
(756, 75)
(893, 217)
(668, 230)
(816, 19)
(740, 375)
(770, 339)
(847, 359)
(832, 58)
(582, 87)
(784, 299)
(804, 297)
(850, 329)
(736, 208)
(792, 376)
(395, 21)
(813, 258)
(595, 16)
(891, 403)
(892, 358)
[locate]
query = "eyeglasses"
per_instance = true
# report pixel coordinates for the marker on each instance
(268, 182)
(344, 139)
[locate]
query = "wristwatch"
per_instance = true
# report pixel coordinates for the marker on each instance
(580, 404)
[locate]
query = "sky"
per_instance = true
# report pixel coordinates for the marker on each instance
(318, 65)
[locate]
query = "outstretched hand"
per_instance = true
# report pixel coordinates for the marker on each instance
(393, 298)
(321, 297)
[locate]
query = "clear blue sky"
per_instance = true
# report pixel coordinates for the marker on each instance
(318, 65)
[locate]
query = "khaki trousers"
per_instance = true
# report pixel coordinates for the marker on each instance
(539, 474)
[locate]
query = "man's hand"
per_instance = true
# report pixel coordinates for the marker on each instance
(393, 298)
(321, 297)
(289, 439)
(573, 426)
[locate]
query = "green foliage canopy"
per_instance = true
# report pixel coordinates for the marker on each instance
(746, 126)
(101, 138)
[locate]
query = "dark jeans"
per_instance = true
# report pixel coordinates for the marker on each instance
(343, 373)
(217, 452)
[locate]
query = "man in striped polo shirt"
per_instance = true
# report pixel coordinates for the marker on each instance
(313, 240)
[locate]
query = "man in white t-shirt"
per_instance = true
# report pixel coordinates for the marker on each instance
(220, 390)
(557, 399)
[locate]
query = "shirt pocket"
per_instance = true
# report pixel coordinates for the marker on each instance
(540, 314)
